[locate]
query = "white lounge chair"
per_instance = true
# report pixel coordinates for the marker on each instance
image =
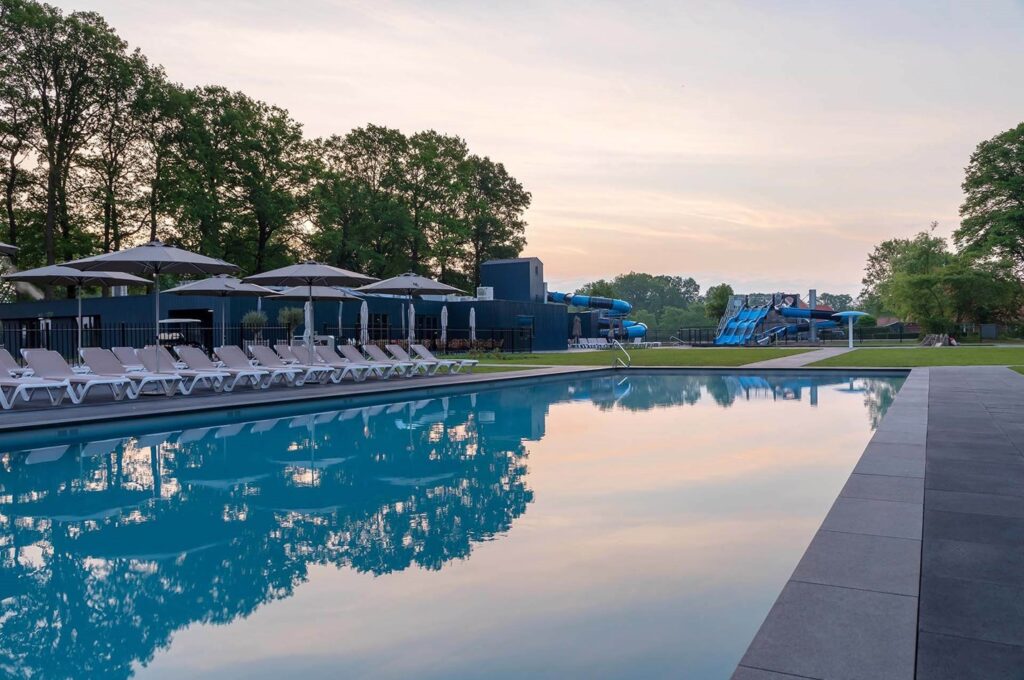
(12, 388)
(427, 366)
(197, 360)
(215, 380)
(404, 368)
(103, 362)
(10, 366)
(349, 352)
(341, 367)
(234, 358)
(454, 365)
(128, 357)
(269, 360)
(50, 365)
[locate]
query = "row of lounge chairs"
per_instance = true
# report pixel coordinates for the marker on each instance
(127, 372)
(603, 343)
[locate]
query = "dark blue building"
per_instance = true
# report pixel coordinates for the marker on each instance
(518, 319)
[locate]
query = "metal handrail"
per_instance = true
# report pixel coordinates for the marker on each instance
(620, 362)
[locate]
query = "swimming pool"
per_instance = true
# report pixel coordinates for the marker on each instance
(605, 526)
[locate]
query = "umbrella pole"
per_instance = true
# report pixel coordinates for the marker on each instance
(224, 320)
(156, 321)
(78, 294)
(309, 331)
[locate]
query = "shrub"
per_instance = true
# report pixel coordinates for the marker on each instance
(254, 320)
(291, 318)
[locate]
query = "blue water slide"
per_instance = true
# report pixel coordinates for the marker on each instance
(740, 328)
(616, 309)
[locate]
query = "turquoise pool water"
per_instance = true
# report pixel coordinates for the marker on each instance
(595, 527)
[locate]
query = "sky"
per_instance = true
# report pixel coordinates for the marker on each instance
(769, 145)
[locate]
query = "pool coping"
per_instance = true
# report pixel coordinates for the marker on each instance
(850, 608)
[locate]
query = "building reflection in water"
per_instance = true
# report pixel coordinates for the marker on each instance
(110, 546)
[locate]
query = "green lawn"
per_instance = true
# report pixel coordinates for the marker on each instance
(1019, 369)
(736, 356)
(928, 356)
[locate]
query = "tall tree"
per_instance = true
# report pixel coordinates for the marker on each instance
(992, 214)
(495, 205)
(61, 59)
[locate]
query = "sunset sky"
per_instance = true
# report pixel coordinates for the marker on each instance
(769, 145)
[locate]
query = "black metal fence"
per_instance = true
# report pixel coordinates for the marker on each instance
(64, 339)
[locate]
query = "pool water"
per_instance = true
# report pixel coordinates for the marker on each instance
(587, 527)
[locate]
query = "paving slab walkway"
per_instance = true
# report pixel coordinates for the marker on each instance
(971, 617)
(800, 360)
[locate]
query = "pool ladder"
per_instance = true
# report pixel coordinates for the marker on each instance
(618, 360)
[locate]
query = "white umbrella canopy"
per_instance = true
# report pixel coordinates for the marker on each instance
(8, 249)
(310, 274)
(364, 323)
(222, 286)
(154, 258)
(409, 284)
(444, 324)
(59, 275)
(472, 324)
(412, 324)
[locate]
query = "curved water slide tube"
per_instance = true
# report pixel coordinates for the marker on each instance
(616, 309)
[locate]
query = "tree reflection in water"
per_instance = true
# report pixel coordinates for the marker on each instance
(109, 547)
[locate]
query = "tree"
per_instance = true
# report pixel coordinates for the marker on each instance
(495, 206)
(837, 301)
(599, 288)
(60, 60)
(921, 254)
(716, 300)
(992, 214)
(291, 318)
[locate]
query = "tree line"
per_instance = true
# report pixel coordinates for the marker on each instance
(978, 277)
(100, 151)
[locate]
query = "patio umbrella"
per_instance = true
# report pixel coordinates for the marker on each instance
(444, 325)
(364, 323)
(472, 324)
(310, 275)
(154, 258)
(222, 286)
(8, 249)
(577, 327)
(850, 316)
(58, 275)
(411, 285)
(310, 293)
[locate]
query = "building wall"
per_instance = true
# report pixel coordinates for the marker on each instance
(122, 314)
(520, 279)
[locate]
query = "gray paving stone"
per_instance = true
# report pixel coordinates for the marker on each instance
(946, 657)
(975, 561)
(972, 609)
(747, 673)
(885, 488)
(975, 476)
(886, 465)
(878, 518)
(990, 453)
(888, 565)
(904, 451)
(898, 437)
(974, 528)
(827, 632)
(974, 503)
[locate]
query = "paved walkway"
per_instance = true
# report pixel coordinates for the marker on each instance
(799, 360)
(971, 619)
